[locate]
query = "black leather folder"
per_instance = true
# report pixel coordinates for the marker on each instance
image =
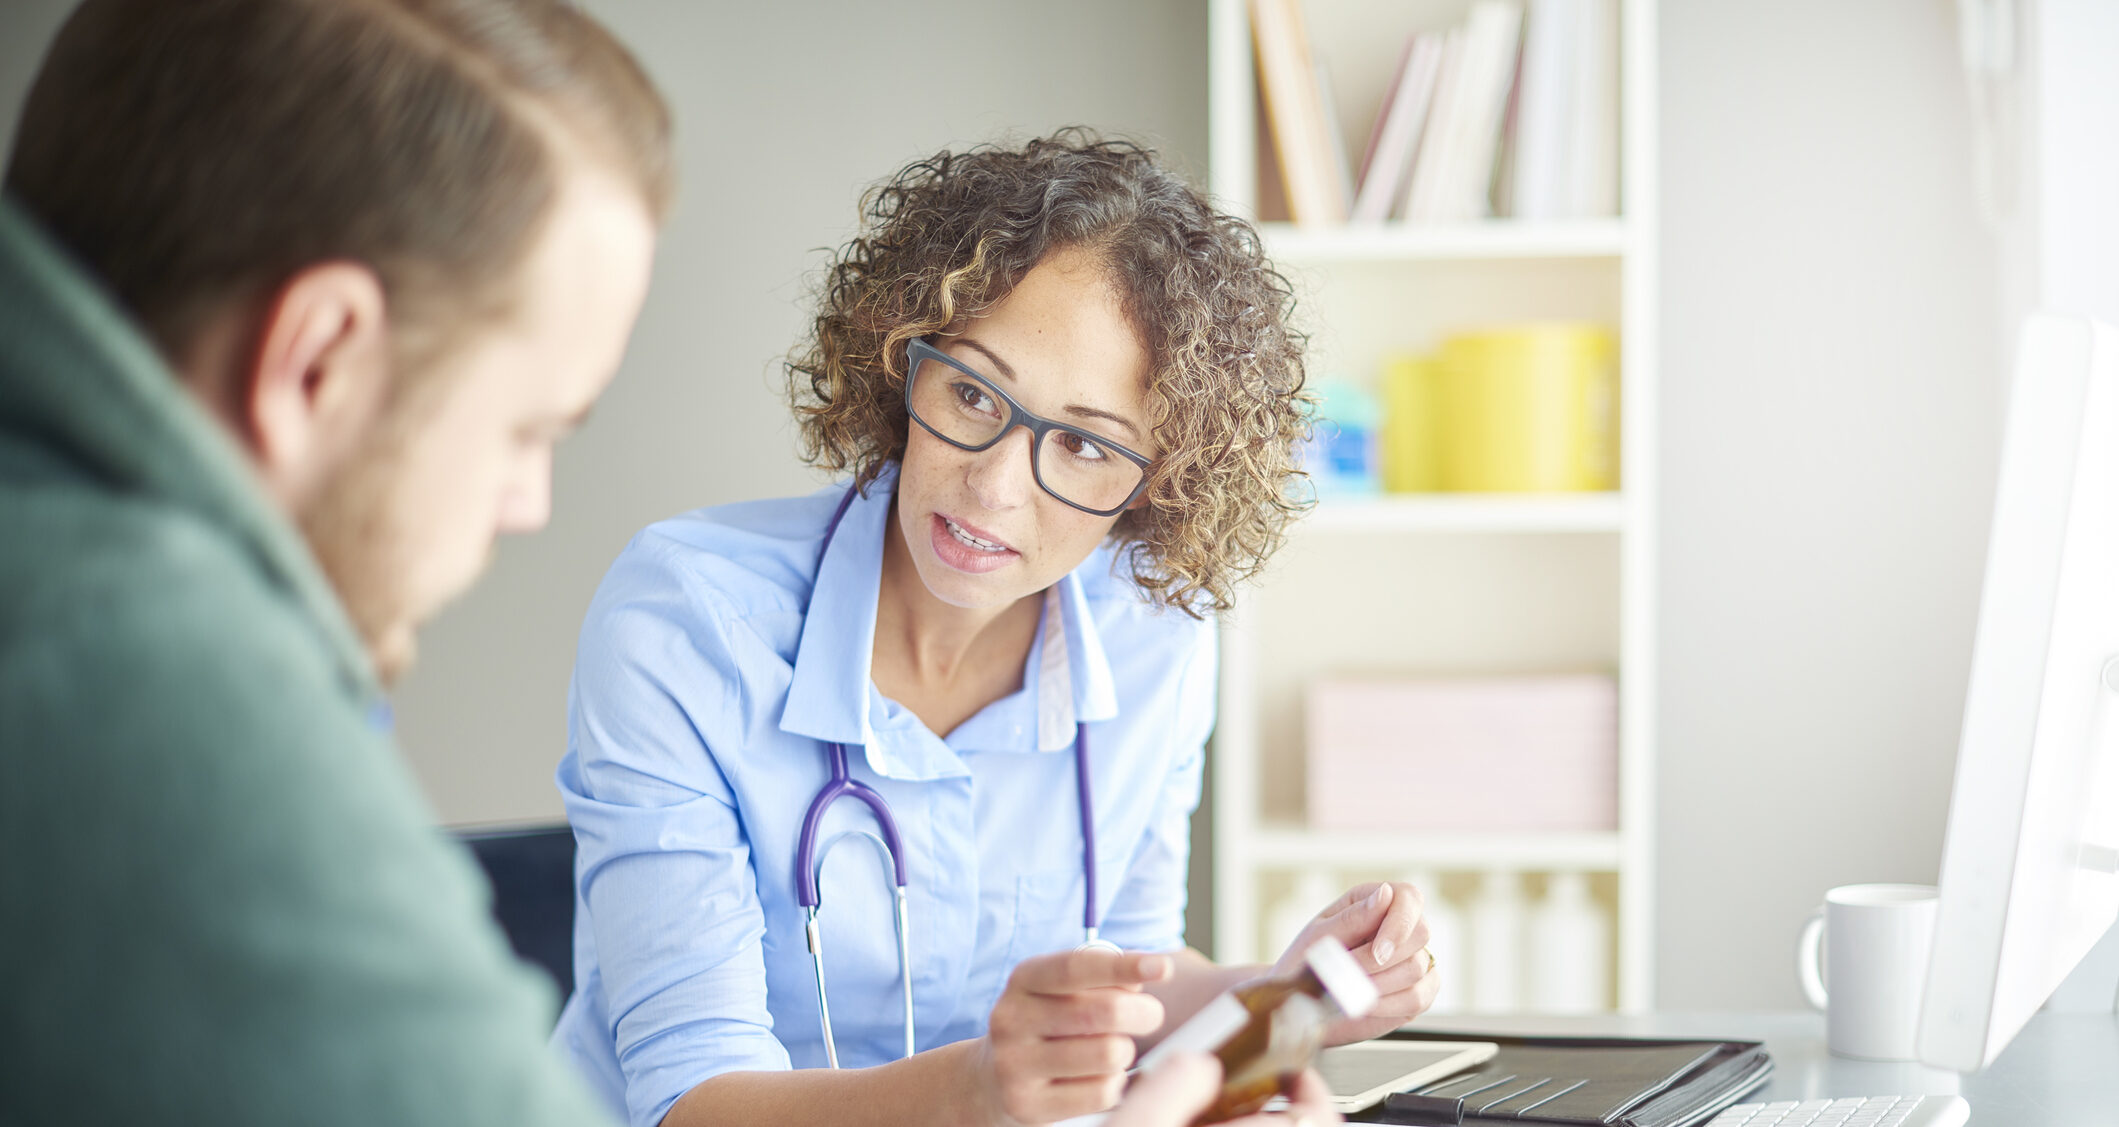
(1612, 1081)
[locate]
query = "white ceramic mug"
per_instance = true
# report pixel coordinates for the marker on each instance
(1873, 941)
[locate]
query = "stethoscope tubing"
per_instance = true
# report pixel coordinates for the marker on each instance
(809, 860)
(842, 784)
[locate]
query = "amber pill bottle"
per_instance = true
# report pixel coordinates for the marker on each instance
(1267, 1031)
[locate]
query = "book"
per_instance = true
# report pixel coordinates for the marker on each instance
(1314, 177)
(1494, 30)
(1564, 148)
(1494, 200)
(1335, 137)
(1454, 176)
(1424, 185)
(1544, 108)
(1279, 75)
(1383, 111)
(1594, 137)
(1399, 129)
(1501, 184)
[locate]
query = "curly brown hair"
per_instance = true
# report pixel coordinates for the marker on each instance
(950, 236)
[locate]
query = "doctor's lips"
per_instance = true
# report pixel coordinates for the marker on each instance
(967, 548)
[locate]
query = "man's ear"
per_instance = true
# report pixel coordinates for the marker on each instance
(320, 372)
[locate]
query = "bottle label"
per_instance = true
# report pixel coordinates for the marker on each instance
(1351, 988)
(1206, 1031)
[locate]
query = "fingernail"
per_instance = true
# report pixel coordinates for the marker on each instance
(1154, 966)
(1382, 949)
(1382, 893)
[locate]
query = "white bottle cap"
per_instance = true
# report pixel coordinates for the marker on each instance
(1343, 979)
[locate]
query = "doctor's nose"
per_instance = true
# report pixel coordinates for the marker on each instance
(1000, 474)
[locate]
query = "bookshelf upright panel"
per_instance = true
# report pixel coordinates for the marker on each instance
(1442, 583)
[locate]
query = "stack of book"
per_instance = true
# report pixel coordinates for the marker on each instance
(1512, 113)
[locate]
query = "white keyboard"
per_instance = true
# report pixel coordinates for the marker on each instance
(1867, 1111)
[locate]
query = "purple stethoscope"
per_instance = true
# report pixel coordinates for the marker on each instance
(809, 861)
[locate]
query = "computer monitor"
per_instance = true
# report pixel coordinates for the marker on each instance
(2030, 875)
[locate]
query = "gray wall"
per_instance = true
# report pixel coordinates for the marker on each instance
(784, 112)
(1830, 380)
(26, 26)
(1830, 385)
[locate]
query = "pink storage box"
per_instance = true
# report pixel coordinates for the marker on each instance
(1464, 754)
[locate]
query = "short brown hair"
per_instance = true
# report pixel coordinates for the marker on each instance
(950, 236)
(191, 152)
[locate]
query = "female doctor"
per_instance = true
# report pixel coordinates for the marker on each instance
(872, 786)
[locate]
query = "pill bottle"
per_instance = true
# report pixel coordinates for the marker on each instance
(1267, 1031)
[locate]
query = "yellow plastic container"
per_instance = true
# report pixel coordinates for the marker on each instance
(1412, 460)
(1529, 408)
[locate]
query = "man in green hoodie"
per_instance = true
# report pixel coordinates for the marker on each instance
(295, 298)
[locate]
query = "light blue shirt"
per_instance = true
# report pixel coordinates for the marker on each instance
(717, 658)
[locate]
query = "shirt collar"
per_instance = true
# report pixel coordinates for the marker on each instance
(828, 695)
(1090, 695)
(831, 695)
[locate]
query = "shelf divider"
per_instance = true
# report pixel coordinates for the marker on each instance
(1469, 512)
(1277, 846)
(1405, 242)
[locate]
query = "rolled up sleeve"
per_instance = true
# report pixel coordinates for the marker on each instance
(664, 865)
(1148, 914)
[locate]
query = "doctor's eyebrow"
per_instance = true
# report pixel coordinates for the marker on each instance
(1076, 410)
(998, 363)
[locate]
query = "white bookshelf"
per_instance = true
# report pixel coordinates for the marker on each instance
(1442, 583)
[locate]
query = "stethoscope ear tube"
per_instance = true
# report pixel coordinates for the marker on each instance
(816, 963)
(814, 934)
(1084, 798)
(905, 965)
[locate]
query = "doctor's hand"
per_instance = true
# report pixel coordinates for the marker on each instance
(1380, 923)
(1060, 1039)
(1184, 1084)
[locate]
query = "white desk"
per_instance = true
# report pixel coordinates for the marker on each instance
(2061, 1071)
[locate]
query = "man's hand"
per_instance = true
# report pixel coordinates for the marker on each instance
(1186, 1083)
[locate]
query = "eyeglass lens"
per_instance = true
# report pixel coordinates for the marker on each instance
(1074, 465)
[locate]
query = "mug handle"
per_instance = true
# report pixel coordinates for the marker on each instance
(1810, 957)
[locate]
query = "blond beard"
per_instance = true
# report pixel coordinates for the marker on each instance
(352, 528)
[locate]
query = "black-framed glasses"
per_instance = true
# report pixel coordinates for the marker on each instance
(965, 409)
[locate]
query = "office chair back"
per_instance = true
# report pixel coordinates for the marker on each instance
(532, 872)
